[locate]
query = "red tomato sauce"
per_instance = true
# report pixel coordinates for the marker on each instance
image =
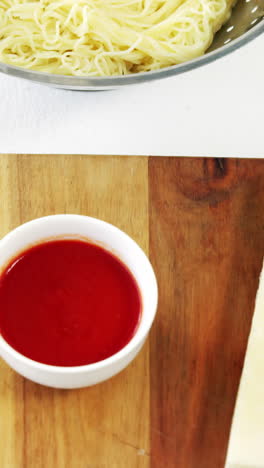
(68, 303)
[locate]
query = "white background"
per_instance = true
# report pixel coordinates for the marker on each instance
(217, 110)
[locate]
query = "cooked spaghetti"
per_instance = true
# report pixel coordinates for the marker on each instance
(106, 37)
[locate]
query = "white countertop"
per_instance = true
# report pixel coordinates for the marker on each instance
(217, 110)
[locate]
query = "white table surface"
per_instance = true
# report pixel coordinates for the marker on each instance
(217, 110)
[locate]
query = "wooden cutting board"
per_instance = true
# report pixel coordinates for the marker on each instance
(202, 223)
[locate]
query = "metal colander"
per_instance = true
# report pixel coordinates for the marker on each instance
(246, 23)
(245, 15)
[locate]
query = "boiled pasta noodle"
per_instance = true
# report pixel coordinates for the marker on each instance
(106, 37)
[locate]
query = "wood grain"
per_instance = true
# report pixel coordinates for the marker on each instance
(202, 222)
(95, 427)
(206, 244)
(12, 408)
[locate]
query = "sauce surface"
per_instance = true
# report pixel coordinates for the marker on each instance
(68, 303)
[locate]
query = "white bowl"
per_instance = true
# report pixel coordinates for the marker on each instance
(112, 239)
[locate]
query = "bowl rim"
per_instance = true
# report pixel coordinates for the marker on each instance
(99, 82)
(141, 332)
